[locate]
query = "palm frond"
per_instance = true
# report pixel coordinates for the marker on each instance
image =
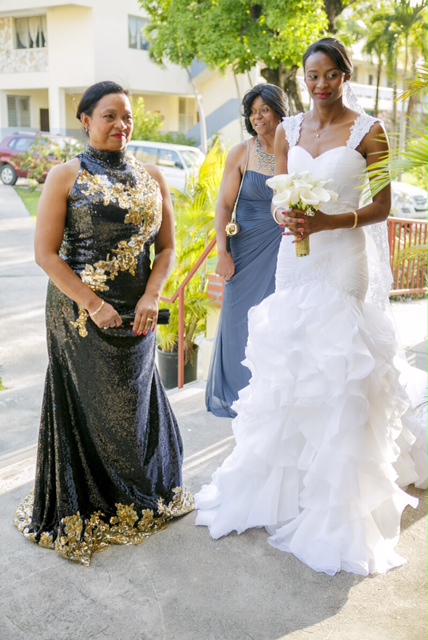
(416, 84)
(415, 252)
(398, 161)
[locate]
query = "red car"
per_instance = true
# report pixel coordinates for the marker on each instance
(14, 146)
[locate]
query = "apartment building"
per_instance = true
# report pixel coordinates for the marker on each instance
(51, 51)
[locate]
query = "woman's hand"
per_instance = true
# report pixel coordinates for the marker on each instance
(301, 226)
(106, 318)
(146, 314)
(225, 266)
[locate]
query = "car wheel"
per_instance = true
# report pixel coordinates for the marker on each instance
(8, 174)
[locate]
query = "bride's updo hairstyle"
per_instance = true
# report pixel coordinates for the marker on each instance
(93, 95)
(274, 97)
(334, 50)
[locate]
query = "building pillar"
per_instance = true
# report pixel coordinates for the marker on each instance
(57, 115)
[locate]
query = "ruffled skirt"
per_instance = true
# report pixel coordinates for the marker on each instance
(321, 443)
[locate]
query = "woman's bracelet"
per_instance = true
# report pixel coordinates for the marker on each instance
(91, 315)
(355, 225)
(274, 215)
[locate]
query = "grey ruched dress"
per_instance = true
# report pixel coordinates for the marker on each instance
(254, 250)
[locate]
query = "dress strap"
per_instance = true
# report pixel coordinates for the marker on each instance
(360, 128)
(292, 126)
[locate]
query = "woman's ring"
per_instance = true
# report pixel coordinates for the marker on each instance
(105, 328)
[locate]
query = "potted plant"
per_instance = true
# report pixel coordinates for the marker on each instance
(194, 214)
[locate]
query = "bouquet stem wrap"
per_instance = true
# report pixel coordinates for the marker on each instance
(303, 248)
(301, 191)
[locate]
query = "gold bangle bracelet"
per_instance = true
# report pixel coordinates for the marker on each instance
(91, 315)
(355, 225)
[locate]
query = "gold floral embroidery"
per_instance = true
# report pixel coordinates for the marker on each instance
(79, 538)
(144, 204)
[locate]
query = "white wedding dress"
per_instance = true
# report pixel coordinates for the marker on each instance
(321, 442)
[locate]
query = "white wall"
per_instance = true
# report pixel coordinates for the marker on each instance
(114, 60)
(71, 46)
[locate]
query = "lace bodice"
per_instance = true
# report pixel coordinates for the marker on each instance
(292, 126)
(347, 168)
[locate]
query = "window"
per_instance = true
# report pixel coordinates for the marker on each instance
(136, 39)
(22, 144)
(147, 155)
(30, 33)
(18, 111)
(371, 79)
(186, 114)
(169, 159)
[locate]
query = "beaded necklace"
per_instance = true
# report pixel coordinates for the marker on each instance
(265, 161)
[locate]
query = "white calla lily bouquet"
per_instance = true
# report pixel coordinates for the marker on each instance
(301, 191)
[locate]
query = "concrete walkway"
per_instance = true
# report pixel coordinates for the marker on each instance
(179, 584)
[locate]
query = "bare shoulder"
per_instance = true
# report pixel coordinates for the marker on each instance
(239, 152)
(63, 176)
(155, 173)
(376, 138)
(377, 129)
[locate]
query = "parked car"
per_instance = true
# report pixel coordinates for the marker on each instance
(408, 201)
(14, 146)
(177, 162)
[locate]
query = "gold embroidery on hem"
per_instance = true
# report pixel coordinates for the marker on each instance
(79, 538)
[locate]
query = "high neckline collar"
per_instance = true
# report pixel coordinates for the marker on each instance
(106, 158)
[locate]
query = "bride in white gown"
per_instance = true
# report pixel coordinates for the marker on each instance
(322, 437)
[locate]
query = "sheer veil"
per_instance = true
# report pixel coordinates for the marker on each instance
(380, 275)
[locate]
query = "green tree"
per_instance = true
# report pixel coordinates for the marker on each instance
(334, 9)
(414, 157)
(195, 213)
(394, 34)
(44, 153)
(227, 34)
(379, 45)
(147, 125)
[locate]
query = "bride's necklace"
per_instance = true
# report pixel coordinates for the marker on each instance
(317, 132)
(265, 161)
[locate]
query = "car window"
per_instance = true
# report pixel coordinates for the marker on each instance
(144, 154)
(191, 158)
(168, 158)
(22, 144)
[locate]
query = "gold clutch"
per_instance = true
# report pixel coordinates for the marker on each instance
(232, 228)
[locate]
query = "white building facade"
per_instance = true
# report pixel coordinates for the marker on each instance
(51, 51)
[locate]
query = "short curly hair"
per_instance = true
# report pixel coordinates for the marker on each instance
(273, 96)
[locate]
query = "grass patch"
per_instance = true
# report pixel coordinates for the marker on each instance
(30, 197)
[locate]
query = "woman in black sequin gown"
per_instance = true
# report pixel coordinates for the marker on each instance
(110, 451)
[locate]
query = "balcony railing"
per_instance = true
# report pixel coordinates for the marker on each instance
(409, 275)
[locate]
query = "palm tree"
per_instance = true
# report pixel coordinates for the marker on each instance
(195, 213)
(393, 34)
(409, 22)
(414, 156)
(380, 44)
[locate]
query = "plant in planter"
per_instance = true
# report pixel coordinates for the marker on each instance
(194, 213)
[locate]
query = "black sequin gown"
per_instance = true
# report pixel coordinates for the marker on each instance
(110, 451)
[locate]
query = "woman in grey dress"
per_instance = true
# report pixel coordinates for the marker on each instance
(247, 261)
